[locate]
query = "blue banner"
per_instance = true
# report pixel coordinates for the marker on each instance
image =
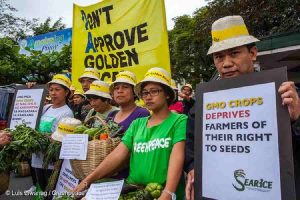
(53, 41)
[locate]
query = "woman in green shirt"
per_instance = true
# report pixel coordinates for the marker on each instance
(155, 144)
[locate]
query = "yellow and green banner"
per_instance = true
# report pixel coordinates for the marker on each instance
(117, 35)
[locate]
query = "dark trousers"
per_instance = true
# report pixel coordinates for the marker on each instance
(33, 175)
(42, 176)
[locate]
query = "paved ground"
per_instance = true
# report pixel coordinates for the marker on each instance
(17, 185)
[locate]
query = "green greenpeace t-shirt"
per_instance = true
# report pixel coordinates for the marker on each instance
(151, 149)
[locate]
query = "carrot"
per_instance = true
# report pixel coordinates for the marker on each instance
(103, 136)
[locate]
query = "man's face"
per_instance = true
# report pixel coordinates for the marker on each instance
(236, 61)
(186, 90)
(85, 83)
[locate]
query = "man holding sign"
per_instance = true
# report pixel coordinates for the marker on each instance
(234, 53)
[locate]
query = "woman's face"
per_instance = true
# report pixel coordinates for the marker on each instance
(77, 99)
(154, 96)
(98, 104)
(123, 93)
(57, 93)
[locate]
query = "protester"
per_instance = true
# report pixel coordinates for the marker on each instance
(122, 90)
(161, 163)
(176, 106)
(187, 99)
(234, 54)
(78, 102)
(52, 114)
(99, 98)
(89, 75)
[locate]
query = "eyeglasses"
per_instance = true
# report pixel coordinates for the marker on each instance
(152, 93)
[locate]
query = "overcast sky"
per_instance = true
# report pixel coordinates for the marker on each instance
(63, 8)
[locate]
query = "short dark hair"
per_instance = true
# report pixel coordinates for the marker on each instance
(167, 90)
(66, 89)
(249, 46)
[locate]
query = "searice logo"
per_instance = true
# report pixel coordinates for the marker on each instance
(252, 184)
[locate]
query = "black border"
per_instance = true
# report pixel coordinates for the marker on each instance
(278, 76)
(23, 87)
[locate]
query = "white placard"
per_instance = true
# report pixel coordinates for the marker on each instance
(66, 180)
(74, 146)
(105, 191)
(240, 144)
(26, 107)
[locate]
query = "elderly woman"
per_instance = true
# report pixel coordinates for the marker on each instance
(99, 98)
(122, 90)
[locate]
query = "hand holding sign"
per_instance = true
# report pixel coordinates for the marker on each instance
(290, 97)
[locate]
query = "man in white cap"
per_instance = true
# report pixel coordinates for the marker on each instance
(234, 52)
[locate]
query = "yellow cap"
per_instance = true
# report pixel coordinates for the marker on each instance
(173, 84)
(99, 88)
(61, 79)
(72, 88)
(229, 32)
(157, 75)
(65, 126)
(90, 73)
(79, 92)
(124, 77)
(187, 85)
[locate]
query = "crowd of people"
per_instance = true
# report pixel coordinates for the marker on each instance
(168, 115)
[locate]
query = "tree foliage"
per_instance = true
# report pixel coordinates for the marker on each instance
(190, 38)
(38, 66)
(46, 27)
(9, 60)
(13, 26)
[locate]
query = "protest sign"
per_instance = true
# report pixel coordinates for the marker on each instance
(105, 191)
(66, 180)
(114, 36)
(243, 146)
(74, 146)
(27, 106)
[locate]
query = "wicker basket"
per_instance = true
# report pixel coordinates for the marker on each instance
(4, 181)
(96, 153)
(23, 169)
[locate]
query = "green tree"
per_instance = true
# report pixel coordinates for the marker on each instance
(187, 50)
(10, 62)
(190, 38)
(12, 26)
(17, 68)
(46, 27)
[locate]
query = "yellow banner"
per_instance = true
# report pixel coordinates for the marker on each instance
(117, 35)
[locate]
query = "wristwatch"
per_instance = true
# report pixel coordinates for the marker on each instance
(173, 195)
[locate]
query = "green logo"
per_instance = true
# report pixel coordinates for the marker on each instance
(252, 184)
(239, 176)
